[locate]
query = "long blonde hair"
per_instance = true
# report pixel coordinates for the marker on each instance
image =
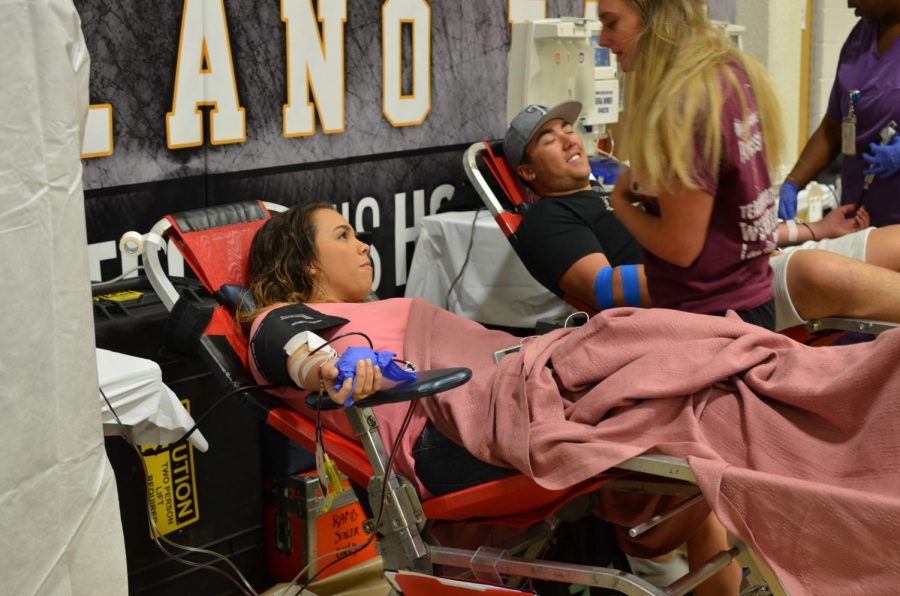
(674, 93)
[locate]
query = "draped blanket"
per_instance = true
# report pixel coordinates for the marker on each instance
(796, 449)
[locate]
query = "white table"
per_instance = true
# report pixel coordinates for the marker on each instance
(495, 288)
(144, 404)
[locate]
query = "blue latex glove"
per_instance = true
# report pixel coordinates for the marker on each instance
(883, 159)
(787, 201)
(346, 366)
(604, 169)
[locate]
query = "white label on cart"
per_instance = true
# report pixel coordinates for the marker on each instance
(606, 102)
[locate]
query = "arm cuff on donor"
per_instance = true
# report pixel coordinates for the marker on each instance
(281, 333)
(603, 293)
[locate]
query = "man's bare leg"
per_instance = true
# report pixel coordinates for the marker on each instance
(823, 284)
(710, 539)
(883, 247)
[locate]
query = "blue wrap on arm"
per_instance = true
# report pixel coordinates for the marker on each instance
(631, 285)
(346, 366)
(603, 293)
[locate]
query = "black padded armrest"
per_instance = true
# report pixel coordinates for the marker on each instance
(428, 382)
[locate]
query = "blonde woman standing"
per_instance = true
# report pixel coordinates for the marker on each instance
(701, 128)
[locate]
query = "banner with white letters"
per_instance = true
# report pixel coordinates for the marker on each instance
(368, 105)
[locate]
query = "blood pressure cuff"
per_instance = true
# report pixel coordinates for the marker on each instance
(280, 325)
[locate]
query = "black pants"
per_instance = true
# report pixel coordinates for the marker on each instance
(445, 467)
(761, 316)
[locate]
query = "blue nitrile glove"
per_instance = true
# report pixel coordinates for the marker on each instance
(604, 169)
(787, 201)
(346, 366)
(883, 159)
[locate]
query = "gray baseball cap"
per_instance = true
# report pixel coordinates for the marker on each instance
(527, 123)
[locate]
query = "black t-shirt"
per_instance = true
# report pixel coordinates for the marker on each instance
(558, 231)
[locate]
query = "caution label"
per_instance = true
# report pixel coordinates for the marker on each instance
(172, 486)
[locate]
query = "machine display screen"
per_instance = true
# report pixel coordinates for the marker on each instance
(601, 55)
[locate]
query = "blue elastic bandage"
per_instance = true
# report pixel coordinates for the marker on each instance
(603, 293)
(631, 285)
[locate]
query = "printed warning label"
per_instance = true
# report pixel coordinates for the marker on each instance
(172, 486)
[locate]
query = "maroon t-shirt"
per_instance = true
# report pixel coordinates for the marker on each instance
(732, 271)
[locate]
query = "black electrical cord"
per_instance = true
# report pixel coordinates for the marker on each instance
(199, 419)
(466, 261)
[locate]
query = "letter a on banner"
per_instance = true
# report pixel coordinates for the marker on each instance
(401, 109)
(315, 66)
(204, 76)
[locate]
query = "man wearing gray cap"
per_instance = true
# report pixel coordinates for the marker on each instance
(577, 230)
(573, 244)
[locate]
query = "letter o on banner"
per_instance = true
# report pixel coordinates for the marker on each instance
(411, 109)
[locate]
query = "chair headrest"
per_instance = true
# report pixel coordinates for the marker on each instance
(219, 216)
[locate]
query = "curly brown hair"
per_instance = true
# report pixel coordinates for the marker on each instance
(281, 256)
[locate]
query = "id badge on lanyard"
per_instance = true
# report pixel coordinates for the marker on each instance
(848, 126)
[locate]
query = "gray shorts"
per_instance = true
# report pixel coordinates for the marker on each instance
(852, 245)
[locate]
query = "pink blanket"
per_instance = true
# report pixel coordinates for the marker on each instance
(796, 449)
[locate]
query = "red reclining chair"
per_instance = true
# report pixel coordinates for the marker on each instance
(502, 194)
(215, 244)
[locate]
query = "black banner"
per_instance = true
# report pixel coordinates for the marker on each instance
(385, 154)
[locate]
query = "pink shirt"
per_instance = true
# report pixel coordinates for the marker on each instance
(385, 323)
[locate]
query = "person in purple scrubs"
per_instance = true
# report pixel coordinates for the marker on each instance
(864, 100)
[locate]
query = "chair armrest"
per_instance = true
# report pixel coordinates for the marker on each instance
(873, 327)
(427, 382)
(675, 468)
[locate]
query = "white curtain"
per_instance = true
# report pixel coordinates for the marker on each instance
(59, 514)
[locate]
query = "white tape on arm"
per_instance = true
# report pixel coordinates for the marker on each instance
(299, 369)
(792, 231)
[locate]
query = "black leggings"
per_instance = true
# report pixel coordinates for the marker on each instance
(445, 467)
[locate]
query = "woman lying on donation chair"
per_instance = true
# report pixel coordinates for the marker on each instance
(771, 433)
(311, 255)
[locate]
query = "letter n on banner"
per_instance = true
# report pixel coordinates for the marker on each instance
(315, 66)
(412, 108)
(204, 76)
